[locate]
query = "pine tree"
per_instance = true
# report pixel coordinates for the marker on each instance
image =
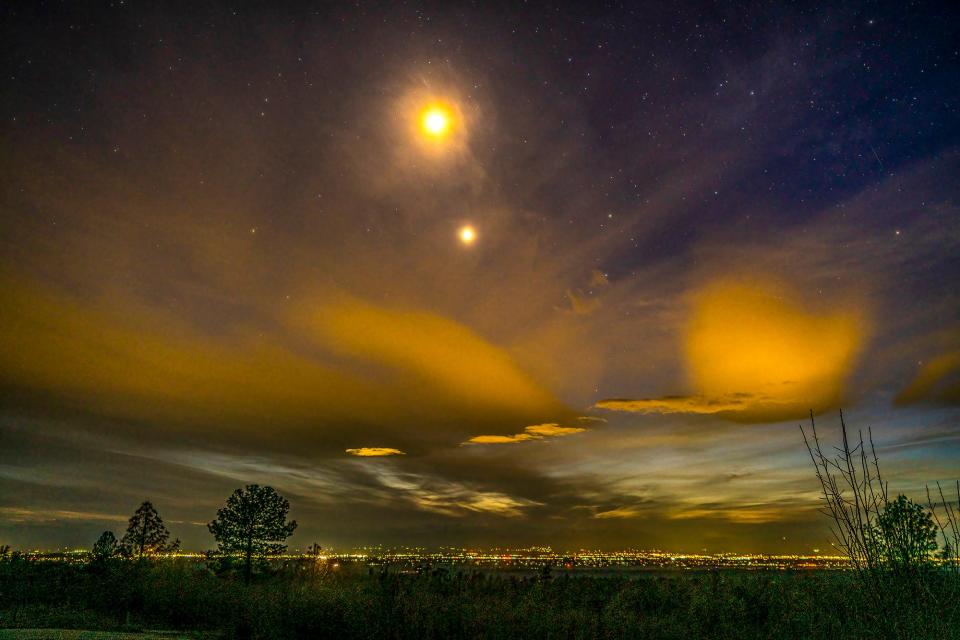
(105, 547)
(252, 524)
(146, 533)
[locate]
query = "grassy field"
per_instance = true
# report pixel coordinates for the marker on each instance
(72, 634)
(306, 602)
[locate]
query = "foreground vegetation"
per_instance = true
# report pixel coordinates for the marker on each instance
(72, 634)
(308, 601)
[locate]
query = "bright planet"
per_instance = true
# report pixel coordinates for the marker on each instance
(467, 234)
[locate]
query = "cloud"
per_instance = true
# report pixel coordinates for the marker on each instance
(551, 430)
(380, 369)
(937, 382)
(32, 516)
(519, 437)
(132, 365)
(741, 513)
(377, 486)
(619, 512)
(368, 452)
(599, 279)
(582, 305)
(585, 304)
(677, 404)
(754, 353)
(739, 407)
(533, 432)
(496, 503)
(450, 498)
(449, 356)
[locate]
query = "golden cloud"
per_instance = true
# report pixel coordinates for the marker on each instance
(497, 503)
(372, 452)
(599, 279)
(581, 304)
(533, 432)
(434, 349)
(552, 430)
(937, 381)
(677, 404)
(125, 360)
(133, 364)
(584, 304)
(754, 353)
(618, 513)
(519, 437)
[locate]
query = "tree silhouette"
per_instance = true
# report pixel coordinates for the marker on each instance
(105, 547)
(252, 524)
(947, 518)
(908, 532)
(888, 542)
(146, 533)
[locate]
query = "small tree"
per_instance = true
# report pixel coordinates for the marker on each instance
(908, 532)
(105, 548)
(888, 542)
(146, 534)
(252, 524)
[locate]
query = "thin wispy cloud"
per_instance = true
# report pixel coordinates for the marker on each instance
(374, 452)
(619, 512)
(532, 432)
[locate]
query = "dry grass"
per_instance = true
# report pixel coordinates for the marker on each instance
(72, 634)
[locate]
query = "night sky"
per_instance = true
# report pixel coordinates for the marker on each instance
(235, 247)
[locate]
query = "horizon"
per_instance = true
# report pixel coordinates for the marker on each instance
(492, 553)
(458, 277)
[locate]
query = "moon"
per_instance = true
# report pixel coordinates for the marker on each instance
(436, 121)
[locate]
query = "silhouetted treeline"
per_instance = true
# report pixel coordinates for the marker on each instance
(251, 526)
